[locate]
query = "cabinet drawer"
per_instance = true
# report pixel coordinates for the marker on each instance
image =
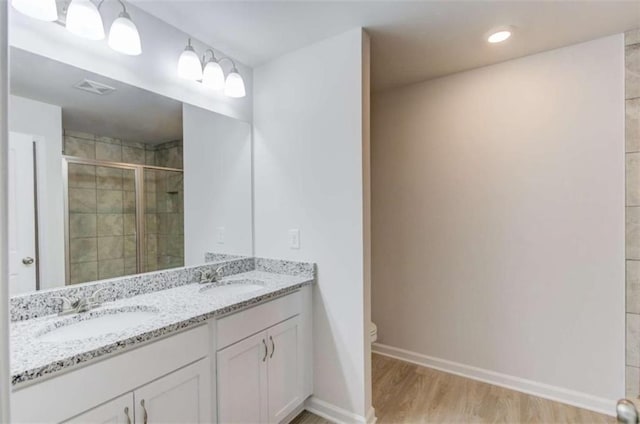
(242, 324)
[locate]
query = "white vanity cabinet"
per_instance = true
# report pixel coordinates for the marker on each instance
(117, 411)
(261, 376)
(173, 377)
(242, 382)
(253, 365)
(184, 396)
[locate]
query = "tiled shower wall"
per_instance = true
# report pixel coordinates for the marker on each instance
(632, 141)
(102, 230)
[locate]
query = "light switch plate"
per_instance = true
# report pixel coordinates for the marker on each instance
(294, 238)
(220, 235)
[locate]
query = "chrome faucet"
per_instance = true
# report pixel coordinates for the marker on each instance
(84, 304)
(207, 276)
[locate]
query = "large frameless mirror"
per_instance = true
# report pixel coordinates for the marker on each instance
(108, 180)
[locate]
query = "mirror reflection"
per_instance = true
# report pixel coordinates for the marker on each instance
(96, 177)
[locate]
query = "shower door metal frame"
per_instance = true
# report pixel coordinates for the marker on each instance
(140, 204)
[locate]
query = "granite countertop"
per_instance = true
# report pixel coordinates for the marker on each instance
(174, 309)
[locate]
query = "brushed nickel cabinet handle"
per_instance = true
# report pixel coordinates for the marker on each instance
(145, 416)
(266, 350)
(273, 347)
(28, 260)
(126, 413)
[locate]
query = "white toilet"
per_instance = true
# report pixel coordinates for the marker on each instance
(373, 331)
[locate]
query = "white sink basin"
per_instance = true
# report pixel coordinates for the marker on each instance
(96, 324)
(232, 288)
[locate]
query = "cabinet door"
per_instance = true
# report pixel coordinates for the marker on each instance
(242, 381)
(184, 396)
(117, 411)
(285, 378)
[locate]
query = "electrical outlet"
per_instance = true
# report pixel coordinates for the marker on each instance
(220, 235)
(294, 238)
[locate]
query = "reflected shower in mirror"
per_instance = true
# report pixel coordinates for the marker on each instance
(96, 178)
(121, 178)
(104, 163)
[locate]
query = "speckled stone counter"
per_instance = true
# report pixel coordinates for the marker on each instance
(175, 309)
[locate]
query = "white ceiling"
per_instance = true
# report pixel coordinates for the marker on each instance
(411, 41)
(129, 113)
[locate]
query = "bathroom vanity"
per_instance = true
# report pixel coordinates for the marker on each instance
(234, 350)
(119, 311)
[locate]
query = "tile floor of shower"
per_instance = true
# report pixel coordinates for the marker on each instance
(102, 207)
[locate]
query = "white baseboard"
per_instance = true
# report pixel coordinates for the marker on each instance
(336, 414)
(293, 414)
(558, 394)
(371, 416)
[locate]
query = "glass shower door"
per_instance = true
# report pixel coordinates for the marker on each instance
(164, 219)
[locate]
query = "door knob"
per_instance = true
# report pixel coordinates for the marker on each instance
(627, 412)
(28, 260)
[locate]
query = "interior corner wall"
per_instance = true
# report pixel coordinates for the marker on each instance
(308, 164)
(499, 222)
(44, 121)
(366, 212)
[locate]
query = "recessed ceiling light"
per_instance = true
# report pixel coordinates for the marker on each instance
(499, 36)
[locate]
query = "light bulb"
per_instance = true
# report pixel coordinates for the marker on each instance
(500, 36)
(234, 86)
(44, 10)
(84, 20)
(124, 36)
(189, 65)
(212, 76)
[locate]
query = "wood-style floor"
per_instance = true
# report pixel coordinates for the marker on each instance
(407, 393)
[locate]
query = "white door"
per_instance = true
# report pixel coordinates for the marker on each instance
(22, 218)
(183, 397)
(285, 382)
(242, 381)
(117, 411)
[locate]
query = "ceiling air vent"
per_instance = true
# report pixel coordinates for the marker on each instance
(94, 87)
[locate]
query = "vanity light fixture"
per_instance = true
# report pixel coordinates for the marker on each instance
(84, 20)
(500, 35)
(234, 85)
(212, 75)
(44, 10)
(189, 65)
(123, 35)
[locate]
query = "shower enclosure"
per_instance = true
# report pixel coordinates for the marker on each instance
(121, 218)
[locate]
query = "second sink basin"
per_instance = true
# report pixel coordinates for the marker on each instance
(97, 323)
(233, 287)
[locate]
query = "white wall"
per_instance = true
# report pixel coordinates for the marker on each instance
(155, 70)
(498, 221)
(308, 155)
(5, 375)
(45, 121)
(217, 184)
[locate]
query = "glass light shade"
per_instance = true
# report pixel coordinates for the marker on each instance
(212, 76)
(124, 36)
(84, 20)
(189, 65)
(500, 36)
(44, 10)
(234, 86)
